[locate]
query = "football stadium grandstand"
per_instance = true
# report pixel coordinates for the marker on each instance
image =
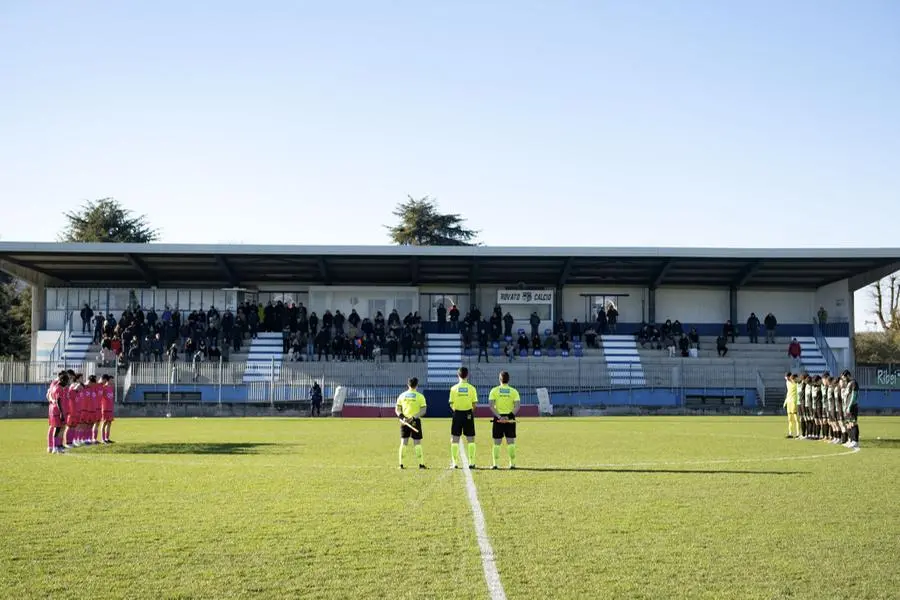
(247, 328)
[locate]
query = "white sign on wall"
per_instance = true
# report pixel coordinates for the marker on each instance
(525, 297)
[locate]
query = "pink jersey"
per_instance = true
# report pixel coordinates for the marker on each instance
(55, 393)
(76, 400)
(109, 397)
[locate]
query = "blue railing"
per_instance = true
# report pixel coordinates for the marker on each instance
(824, 348)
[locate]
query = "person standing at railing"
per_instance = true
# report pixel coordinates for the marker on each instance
(771, 323)
(822, 316)
(795, 351)
(790, 404)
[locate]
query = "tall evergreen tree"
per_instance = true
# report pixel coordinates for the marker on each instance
(421, 224)
(106, 220)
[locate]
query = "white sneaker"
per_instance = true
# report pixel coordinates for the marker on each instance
(50, 450)
(854, 445)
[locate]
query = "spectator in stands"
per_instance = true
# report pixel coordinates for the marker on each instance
(590, 338)
(771, 324)
(327, 321)
(665, 331)
(508, 322)
(406, 343)
(314, 324)
(822, 316)
(98, 328)
(419, 343)
(753, 329)
(558, 327)
(643, 335)
(550, 341)
(393, 345)
(86, 315)
(576, 329)
(156, 347)
(536, 342)
(721, 345)
(339, 320)
(535, 322)
(677, 329)
(564, 342)
(669, 343)
(454, 317)
(393, 321)
(496, 324)
(476, 314)
(729, 330)
(483, 327)
(338, 347)
(694, 338)
(612, 317)
(685, 346)
(172, 354)
(322, 343)
(602, 326)
(522, 342)
(483, 343)
(253, 322)
(794, 351)
(441, 317)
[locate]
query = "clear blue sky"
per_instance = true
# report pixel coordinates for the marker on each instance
(545, 123)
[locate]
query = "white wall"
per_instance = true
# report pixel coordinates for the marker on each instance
(835, 297)
(573, 304)
(404, 299)
(788, 307)
(692, 305)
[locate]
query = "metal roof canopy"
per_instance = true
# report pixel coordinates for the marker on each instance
(198, 265)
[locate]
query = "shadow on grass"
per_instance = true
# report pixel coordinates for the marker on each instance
(198, 448)
(890, 443)
(660, 471)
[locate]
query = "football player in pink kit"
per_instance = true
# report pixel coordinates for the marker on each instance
(55, 414)
(72, 408)
(92, 414)
(107, 396)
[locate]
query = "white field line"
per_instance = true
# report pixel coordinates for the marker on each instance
(488, 563)
(280, 465)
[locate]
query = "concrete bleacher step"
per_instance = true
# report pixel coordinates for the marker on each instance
(623, 360)
(443, 356)
(265, 356)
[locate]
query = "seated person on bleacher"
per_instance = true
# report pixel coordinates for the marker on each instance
(684, 345)
(560, 326)
(677, 328)
(694, 338)
(536, 341)
(550, 342)
(666, 330)
(721, 345)
(669, 343)
(590, 338)
(563, 343)
(522, 342)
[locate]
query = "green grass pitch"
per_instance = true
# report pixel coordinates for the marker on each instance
(651, 507)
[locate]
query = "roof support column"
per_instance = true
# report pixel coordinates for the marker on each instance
(851, 312)
(732, 304)
(557, 307)
(38, 315)
(651, 305)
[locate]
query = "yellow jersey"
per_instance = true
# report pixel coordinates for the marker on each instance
(463, 396)
(410, 403)
(790, 400)
(504, 398)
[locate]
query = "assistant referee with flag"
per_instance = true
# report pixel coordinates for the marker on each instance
(410, 409)
(505, 402)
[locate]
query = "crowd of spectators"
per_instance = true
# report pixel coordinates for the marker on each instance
(671, 336)
(139, 335)
(481, 332)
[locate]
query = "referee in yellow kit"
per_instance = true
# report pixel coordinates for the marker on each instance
(505, 404)
(463, 398)
(410, 409)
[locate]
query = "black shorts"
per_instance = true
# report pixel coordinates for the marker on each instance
(463, 423)
(853, 414)
(406, 432)
(501, 430)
